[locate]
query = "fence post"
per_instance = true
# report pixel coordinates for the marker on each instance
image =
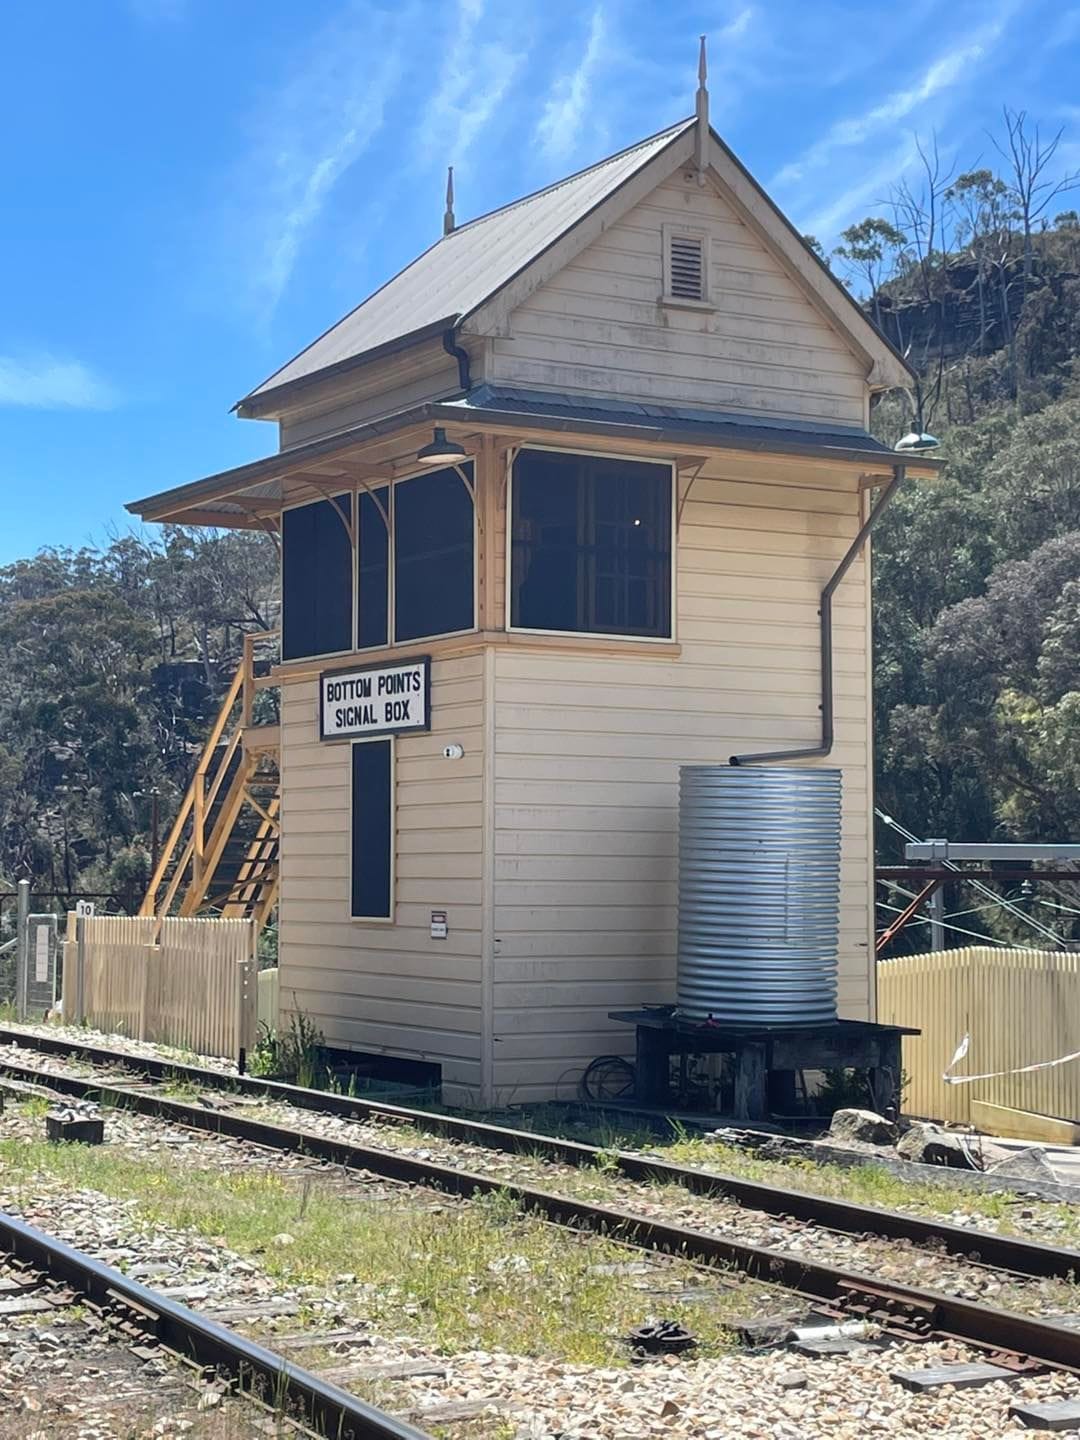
(80, 969)
(22, 953)
(144, 987)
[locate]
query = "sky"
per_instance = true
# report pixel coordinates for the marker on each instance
(194, 189)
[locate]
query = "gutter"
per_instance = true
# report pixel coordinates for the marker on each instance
(817, 752)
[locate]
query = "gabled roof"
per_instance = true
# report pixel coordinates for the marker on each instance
(491, 264)
(464, 269)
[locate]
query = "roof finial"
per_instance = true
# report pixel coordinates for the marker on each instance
(701, 110)
(448, 219)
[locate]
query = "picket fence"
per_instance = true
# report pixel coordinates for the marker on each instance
(1018, 1007)
(190, 983)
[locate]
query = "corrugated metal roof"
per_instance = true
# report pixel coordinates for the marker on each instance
(542, 410)
(707, 426)
(465, 268)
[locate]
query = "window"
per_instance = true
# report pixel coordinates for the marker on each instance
(685, 265)
(372, 568)
(316, 579)
(434, 534)
(373, 830)
(590, 545)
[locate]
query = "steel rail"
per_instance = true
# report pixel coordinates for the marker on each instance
(1006, 1252)
(969, 1321)
(256, 1371)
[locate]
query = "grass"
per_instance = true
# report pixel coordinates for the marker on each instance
(868, 1184)
(458, 1277)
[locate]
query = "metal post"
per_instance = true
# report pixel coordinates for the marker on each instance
(155, 829)
(937, 919)
(22, 953)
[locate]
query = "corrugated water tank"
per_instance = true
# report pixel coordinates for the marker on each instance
(759, 893)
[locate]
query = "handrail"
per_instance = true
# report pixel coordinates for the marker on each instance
(200, 796)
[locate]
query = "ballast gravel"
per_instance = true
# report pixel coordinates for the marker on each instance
(494, 1396)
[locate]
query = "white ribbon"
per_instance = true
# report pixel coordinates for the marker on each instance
(965, 1045)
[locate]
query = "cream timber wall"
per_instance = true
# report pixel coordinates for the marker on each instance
(424, 372)
(380, 987)
(552, 844)
(760, 346)
(587, 750)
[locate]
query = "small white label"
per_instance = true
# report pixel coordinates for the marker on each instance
(84, 907)
(439, 928)
(41, 954)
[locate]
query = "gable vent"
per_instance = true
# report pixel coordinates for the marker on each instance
(686, 260)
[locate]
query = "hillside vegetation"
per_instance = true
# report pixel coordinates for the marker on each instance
(114, 658)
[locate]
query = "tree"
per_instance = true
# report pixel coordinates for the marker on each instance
(869, 252)
(1030, 188)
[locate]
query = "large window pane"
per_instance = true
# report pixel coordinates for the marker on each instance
(316, 579)
(373, 830)
(590, 545)
(433, 555)
(373, 557)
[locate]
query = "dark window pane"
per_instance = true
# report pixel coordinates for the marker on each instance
(590, 545)
(373, 550)
(372, 829)
(433, 555)
(316, 579)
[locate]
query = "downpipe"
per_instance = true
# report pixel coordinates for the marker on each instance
(817, 752)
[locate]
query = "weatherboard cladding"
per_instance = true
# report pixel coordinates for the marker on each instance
(465, 268)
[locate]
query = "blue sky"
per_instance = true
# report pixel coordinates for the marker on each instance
(193, 189)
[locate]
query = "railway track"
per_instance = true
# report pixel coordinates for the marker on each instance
(39, 1273)
(904, 1310)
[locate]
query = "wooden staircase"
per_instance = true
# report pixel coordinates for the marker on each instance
(221, 856)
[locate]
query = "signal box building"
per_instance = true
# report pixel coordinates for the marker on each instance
(556, 507)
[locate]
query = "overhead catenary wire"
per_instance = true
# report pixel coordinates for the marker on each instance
(960, 930)
(976, 885)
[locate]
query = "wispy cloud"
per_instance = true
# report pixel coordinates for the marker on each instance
(309, 132)
(841, 209)
(559, 126)
(473, 80)
(950, 67)
(48, 382)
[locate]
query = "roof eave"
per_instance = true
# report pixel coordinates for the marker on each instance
(877, 461)
(171, 505)
(266, 404)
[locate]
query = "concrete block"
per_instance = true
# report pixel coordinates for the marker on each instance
(79, 1129)
(960, 1377)
(1048, 1415)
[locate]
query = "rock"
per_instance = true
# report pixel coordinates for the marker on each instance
(1025, 1164)
(930, 1145)
(862, 1125)
(792, 1380)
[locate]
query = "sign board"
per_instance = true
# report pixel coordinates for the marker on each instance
(41, 955)
(375, 700)
(439, 926)
(84, 908)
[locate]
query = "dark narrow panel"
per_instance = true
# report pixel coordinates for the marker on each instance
(372, 829)
(316, 579)
(297, 601)
(433, 555)
(591, 545)
(373, 561)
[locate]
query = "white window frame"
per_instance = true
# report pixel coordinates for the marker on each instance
(391, 918)
(686, 232)
(670, 639)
